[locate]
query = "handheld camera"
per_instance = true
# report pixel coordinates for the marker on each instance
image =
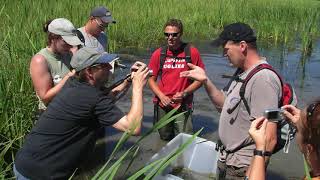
(150, 71)
(273, 115)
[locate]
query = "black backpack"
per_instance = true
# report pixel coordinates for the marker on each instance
(285, 131)
(163, 55)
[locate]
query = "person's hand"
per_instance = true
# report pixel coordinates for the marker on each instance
(136, 66)
(139, 75)
(196, 73)
(165, 100)
(178, 97)
(258, 132)
(71, 73)
(292, 113)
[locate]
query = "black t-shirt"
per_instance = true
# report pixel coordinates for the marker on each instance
(66, 132)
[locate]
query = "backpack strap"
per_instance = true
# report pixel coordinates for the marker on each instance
(234, 77)
(249, 76)
(187, 52)
(163, 55)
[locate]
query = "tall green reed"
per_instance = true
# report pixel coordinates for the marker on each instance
(153, 169)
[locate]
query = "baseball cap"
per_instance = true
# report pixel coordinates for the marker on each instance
(66, 30)
(235, 32)
(103, 13)
(87, 56)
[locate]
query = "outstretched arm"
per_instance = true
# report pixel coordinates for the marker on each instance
(198, 74)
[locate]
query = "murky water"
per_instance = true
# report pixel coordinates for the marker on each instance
(188, 174)
(302, 72)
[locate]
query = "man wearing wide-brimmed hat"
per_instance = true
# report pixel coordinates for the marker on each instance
(66, 132)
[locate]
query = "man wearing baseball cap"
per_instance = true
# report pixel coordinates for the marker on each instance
(66, 132)
(95, 36)
(93, 31)
(263, 91)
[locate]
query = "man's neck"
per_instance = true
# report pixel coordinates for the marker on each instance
(251, 60)
(176, 47)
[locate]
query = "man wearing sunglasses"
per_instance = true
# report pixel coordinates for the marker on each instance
(172, 91)
(263, 91)
(67, 131)
(93, 31)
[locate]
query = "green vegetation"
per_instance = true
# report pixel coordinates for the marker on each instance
(154, 168)
(139, 24)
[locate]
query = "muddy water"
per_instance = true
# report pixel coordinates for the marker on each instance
(302, 72)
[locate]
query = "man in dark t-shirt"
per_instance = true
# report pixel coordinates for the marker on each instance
(66, 132)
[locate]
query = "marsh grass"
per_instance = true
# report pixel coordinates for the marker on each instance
(139, 24)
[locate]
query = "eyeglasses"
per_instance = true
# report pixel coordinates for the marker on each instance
(101, 25)
(171, 34)
(310, 110)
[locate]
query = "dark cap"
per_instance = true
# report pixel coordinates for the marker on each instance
(235, 32)
(103, 13)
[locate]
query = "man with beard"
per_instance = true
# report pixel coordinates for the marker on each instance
(66, 132)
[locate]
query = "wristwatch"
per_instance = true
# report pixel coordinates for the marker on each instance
(267, 153)
(258, 153)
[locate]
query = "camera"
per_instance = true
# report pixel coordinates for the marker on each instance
(274, 115)
(150, 71)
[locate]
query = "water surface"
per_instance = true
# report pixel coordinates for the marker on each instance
(301, 71)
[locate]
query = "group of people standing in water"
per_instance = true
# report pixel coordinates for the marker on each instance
(70, 76)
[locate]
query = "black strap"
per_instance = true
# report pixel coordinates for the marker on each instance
(234, 77)
(163, 55)
(249, 76)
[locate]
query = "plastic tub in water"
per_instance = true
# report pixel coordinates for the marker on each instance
(198, 161)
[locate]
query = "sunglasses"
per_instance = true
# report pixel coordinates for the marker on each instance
(310, 111)
(101, 26)
(171, 34)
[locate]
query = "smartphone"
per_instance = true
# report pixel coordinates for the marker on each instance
(273, 115)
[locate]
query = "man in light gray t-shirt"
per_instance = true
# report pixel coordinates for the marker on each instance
(263, 91)
(97, 42)
(93, 31)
